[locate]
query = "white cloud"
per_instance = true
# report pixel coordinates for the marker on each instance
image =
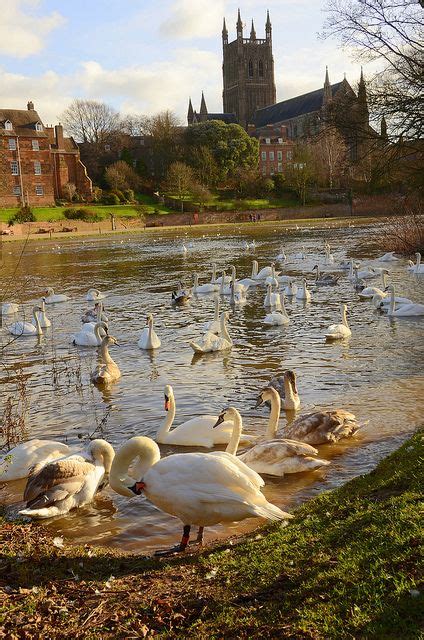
(22, 32)
(189, 19)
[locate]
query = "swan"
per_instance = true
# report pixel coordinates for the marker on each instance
(369, 292)
(281, 256)
(21, 328)
(181, 296)
(148, 338)
(215, 280)
(365, 274)
(183, 249)
(272, 279)
(388, 257)
(274, 457)
(213, 325)
(272, 299)
(251, 282)
(405, 310)
(324, 278)
(94, 294)
(8, 308)
(323, 427)
(200, 489)
(210, 342)
(418, 267)
(196, 432)
(291, 289)
(339, 331)
(263, 273)
(53, 298)
(286, 388)
(233, 286)
(108, 371)
(300, 255)
(18, 462)
(90, 338)
(42, 318)
(329, 258)
(303, 293)
(203, 288)
(68, 483)
(278, 318)
(91, 316)
(238, 296)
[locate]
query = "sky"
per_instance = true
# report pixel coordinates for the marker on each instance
(145, 56)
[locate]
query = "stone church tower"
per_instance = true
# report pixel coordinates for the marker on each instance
(248, 71)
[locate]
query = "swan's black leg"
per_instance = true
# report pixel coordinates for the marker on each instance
(179, 547)
(199, 538)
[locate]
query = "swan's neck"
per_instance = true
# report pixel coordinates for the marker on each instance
(344, 318)
(224, 331)
(317, 276)
(233, 444)
(392, 300)
(283, 306)
(37, 322)
(169, 419)
(97, 328)
(274, 416)
(221, 288)
(289, 393)
(106, 355)
(213, 273)
(254, 269)
(417, 268)
(102, 454)
(196, 280)
(216, 316)
(384, 279)
(139, 447)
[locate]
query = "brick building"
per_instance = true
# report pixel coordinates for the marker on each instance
(36, 162)
(275, 148)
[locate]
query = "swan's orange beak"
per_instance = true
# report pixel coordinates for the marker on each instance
(137, 488)
(166, 403)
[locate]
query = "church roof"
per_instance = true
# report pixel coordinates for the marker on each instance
(298, 106)
(228, 118)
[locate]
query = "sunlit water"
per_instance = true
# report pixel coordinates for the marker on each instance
(376, 374)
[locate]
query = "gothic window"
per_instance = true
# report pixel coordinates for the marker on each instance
(250, 69)
(8, 125)
(261, 69)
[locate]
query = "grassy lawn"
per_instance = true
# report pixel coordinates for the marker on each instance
(347, 567)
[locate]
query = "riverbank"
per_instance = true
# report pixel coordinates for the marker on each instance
(347, 566)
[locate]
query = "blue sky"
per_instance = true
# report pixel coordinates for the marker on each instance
(144, 56)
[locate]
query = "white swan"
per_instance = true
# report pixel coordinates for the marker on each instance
(183, 249)
(200, 489)
(339, 331)
(91, 316)
(148, 338)
(8, 308)
(215, 280)
(323, 427)
(367, 273)
(263, 273)
(291, 289)
(272, 279)
(196, 432)
(53, 298)
(329, 258)
(43, 319)
(388, 257)
(418, 267)
(251, 282)
(210, 342)
(286, 388)
(278, 318)
(107, 371)
(69, 482)
(18, 462)
(21, 328)
(272, 299)
(405, 310)
(213, 325)
(281, 256)
(233, 286)
(93, 338)
(203, 288)
(369, 292)
(274, 457)
(94, 294)
(303, 292)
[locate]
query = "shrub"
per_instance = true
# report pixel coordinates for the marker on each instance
(88, 215)
(25, 214)
(109, 198)
(97, 194)
(129, 195)
(120, 195)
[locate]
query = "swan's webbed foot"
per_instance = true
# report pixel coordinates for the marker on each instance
(179, 548)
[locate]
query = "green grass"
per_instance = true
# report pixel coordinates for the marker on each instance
(347, 567)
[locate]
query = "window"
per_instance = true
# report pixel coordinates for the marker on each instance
(279, 155)
(8, 125)
(280, 167)
(38, 126)
(37, 168)
(272, 171)
(267, 140)
(35, 145)
(271, 155)
(263, 155)
(280, 140)
(261, 69)
(250, 69)
(17, 190)
(289, 155)
(15, 168)
(264, 169)
(39, 191)
(12, 144)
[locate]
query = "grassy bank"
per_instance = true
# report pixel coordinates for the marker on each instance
(347, 566)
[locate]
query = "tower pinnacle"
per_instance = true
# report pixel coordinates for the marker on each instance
(252, 32)
(239, 26)
(224, 33)
(327, 88)
(268, 28)
(190, 112)
(203, 108)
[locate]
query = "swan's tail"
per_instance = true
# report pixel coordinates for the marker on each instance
(196, 348)
(271, 511)
(315, 463)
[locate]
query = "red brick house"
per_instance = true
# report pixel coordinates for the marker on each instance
(36, 161)
(275, 148)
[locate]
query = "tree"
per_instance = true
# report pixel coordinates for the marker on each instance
(391, 32)
(164, 129)
(300, 172)
(120, 176)
(204, 164)
(200, 193)
(69, 190)
(91, 121)
(179, 181)
(330, 156)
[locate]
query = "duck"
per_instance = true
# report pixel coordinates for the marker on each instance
(85, 338)
(210, 342)
(203, 288)
(326, 279)
(68, 483)
(369, 292)
(213, 325)
(21, 328)
(404, 310)
(196, 432)
(107, 371)
(291, 289)
(273, 457)
(272, 299)
(388, 257)
(42, 318)
(341, 330)
(418, 267)
(54, 298)
(9, 308)
(277, 318)
(180, 296)
(201, 489)
(303, 293)
(148, 338)
(18, 462)
(323, 427)
(286, 387)
(94, 294)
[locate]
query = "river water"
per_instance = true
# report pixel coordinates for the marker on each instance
(376, 374)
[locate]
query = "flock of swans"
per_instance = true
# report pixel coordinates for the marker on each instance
(199, 488)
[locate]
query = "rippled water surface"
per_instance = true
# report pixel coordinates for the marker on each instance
(376, 374)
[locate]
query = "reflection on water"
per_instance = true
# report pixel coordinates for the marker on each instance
(376, 373)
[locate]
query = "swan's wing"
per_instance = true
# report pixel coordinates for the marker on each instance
(65, 474)
(296, 448)
(303, 425)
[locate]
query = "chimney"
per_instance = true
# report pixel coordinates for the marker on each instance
(58, 132)
(30, 106)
